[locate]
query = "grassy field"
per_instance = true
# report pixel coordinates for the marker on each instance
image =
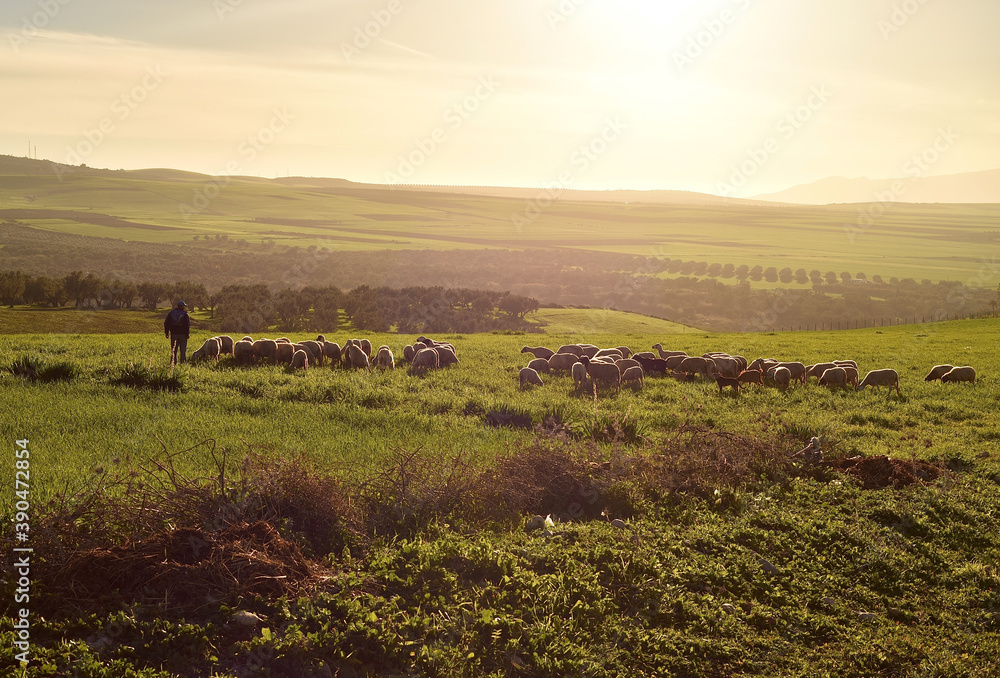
(897, 581)
(938, 242)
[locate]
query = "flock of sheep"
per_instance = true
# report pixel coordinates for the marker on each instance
(591, 365)
(424, 354)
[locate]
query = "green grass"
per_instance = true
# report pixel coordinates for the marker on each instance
(887, 582)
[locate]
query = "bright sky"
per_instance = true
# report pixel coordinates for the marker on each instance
(734, 97)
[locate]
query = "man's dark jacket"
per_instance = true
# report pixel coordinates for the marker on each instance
(178, 323)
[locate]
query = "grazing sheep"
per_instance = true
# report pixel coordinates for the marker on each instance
(589, 350)
(751, 377)
(528, 376)
(357, 358)
(425, 359)
(580, 378)
(243, 352)
(564, 361)
(632, 375)
(817, 369)
(300, 360)
(247, 338)
(604, 359)
(833, 376)
(283, 353)
(964, 373)
(612, 352)
(384, 359)
(845, 363)
(625, 351)
(666, 354)
(225, 344)
(697, 365)
(649, 355)
(852, 375)
(885, 377)
(782, 377)
(674, 361)
(727, 366)
(539, 351)
(570, 348)
(315, 351)
(264, 349)
(937, 372)
(797, 371)
(408, 353)
(331, 350)
(626, 363)
(651, 365)
(210, 349)
(540, 365)
(723, 382)
(283, 340)
(763, 364)
(446, 355)
(609, 374)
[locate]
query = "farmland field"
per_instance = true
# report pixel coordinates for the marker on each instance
(932, 241)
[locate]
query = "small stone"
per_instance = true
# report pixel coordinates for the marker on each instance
(620, 524)
(866, 616)
(768, 567)
(829, 601)
(244, 618)
(535, 523)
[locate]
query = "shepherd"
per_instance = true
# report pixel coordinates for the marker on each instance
(177, 328)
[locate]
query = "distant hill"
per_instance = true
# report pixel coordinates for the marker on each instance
(969, 187)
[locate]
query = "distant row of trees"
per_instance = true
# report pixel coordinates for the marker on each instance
(770, 274)
(255, 307)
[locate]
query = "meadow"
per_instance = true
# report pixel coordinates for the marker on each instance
(733, 560)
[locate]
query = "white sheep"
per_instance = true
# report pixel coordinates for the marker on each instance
(315, 351)
(528, 376)
(243, 352)
(264, 349)
(300, 360)
(563, 361)
(356, 357)
(540, 365)
(580, 378)
(539, 351)
(446, 355)
(425, 359)
(210, 349)
(384, 359)
(781, 376)
(408, 353)
(885, 377)
(632, 375)
(937, 372)
(833, 376)
(964, 373)
(607, 373)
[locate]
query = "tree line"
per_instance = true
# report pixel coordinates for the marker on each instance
(255, 307)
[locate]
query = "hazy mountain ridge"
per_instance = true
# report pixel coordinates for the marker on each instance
(967, 187)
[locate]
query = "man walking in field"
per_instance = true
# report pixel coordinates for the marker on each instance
(177, 327)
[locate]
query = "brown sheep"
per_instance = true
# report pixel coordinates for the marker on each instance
(300, 360)
(263, 349)
(243, 352)
(225, 344)
(751, 377)
(283, 353)
(723, 382)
